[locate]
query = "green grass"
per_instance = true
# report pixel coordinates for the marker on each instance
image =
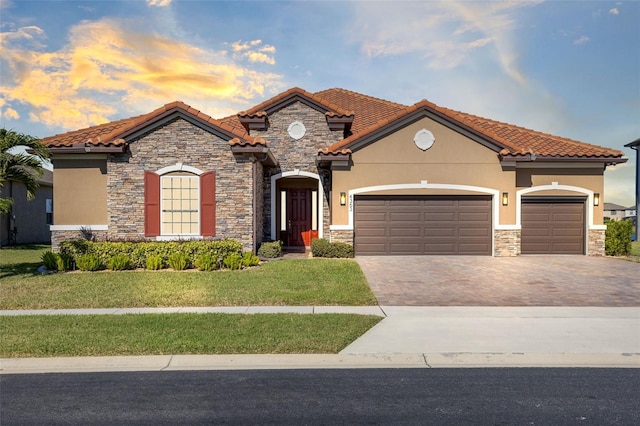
(635, 252)
(283, 282)
(158, 334)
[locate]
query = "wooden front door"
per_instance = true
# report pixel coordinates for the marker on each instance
(299, 216)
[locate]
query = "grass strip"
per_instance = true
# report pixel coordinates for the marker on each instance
(284, 282)
(162, 334)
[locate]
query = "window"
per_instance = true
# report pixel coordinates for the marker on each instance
(180, 205)
(49, 210)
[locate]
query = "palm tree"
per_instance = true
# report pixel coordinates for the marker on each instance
(20, 167)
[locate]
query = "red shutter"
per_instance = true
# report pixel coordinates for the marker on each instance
(208, 204)
(151, 204)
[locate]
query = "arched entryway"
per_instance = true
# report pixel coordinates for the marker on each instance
(296, 208)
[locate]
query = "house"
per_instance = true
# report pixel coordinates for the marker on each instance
(617, 212)
(385, 177)
(29, 220)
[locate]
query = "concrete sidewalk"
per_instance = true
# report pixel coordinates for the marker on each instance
(408, 337)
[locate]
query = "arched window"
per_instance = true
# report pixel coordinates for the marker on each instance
(179, 203)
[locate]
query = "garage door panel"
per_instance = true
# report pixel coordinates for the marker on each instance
(408, 231)
(423, 225)
(552, 227)
(405, 216)
(372, 232)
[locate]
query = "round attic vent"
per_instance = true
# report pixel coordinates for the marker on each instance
(424, 139)
(296, 130)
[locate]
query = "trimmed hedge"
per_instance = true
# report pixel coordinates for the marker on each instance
(618, 238)
(323, 248)
(138, 252)
(270, 249)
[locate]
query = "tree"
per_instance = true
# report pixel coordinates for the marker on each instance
(20, 167)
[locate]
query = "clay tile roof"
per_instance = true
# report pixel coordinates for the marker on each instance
(110, 134)
(261, 109)
(512, 140)
(247, 142)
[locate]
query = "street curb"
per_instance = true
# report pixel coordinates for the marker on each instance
(314, 361)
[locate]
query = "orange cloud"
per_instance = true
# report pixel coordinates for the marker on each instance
(107, 68)
(254, 52)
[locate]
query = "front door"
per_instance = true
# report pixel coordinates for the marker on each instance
(299, 216)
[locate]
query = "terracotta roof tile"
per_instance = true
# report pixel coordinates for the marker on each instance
(371, 115)
(514, 140)
(110, 134)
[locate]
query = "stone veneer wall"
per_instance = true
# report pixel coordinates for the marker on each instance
(58, 237)
(506, 242)
(595, 245)
(294, 154)
(180, 141)
(342, 236)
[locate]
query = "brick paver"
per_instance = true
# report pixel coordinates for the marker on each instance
(502, 281)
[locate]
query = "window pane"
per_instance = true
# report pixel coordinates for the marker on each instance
(180, 205)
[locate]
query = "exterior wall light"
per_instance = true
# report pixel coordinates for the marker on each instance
(505, 198)
(596, 199)
(343, 198)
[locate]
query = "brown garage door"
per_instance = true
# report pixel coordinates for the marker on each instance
(553, 227)
(409, 225)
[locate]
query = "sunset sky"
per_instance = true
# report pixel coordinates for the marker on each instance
(570, 68)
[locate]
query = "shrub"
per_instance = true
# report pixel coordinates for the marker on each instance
(233, 261)
(249, 259)
(270, 249)
(178, 261)
(88, 262)
(618, 238)
(154, 262)
(119, 262)
(206, 262)
(323, 248)
(140, 251)
(65, 262)
(50, 261)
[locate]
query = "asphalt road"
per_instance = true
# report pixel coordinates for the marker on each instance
(363, 396)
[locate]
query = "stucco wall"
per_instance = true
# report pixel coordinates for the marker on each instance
(80, 194)
(395, 159)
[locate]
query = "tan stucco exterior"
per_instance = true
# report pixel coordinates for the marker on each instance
(456, 162)
(80, 192)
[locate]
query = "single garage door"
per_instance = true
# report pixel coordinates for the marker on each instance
(410, 225)
(552, 226)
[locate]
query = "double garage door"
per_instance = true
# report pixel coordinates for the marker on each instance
(461, 225)
(410, 225)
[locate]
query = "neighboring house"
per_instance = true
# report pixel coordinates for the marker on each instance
(617, 212)
(29, 220)
(386, 177)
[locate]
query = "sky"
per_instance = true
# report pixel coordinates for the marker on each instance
(569, 68)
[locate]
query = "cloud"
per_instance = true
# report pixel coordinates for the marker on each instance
(447, 34)
(614, 11)
(581, 40)
(109, 68)
(254, 52)
(158, 3)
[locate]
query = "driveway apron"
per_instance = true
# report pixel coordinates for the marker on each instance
(502, 281)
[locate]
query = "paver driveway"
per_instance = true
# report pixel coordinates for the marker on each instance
(502, 281)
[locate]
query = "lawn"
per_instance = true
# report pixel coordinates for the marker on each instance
(284, 282)
(635, 252)
(157, 334)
